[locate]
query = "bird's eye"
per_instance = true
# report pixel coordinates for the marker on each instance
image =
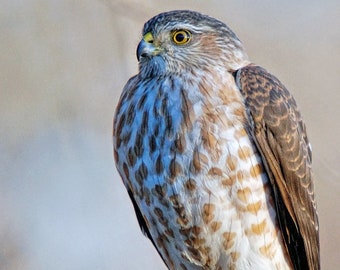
(181, 37)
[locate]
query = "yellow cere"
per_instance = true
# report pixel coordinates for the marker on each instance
(148, 37)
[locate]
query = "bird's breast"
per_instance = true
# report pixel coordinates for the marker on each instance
(183, 150)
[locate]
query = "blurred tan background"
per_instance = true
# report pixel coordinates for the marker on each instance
(63, 65)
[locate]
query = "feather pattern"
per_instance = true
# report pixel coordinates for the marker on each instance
(276, 125)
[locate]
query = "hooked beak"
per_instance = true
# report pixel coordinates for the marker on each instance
(146, 49)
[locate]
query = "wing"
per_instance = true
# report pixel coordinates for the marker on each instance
(280, 135)
(142, 223)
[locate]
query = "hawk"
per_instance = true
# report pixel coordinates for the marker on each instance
(213, 152)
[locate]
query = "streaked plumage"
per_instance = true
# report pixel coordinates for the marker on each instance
(214, 153)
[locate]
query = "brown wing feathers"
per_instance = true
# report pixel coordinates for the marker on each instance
(279, 133)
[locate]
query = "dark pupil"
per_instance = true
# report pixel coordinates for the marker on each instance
(180, 37)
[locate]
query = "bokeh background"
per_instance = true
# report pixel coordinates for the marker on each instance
(63, 65)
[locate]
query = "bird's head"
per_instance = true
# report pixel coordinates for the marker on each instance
(181, 40)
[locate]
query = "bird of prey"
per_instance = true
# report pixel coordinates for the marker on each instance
(214, 153)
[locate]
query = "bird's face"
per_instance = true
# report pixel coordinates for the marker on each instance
(180, 41)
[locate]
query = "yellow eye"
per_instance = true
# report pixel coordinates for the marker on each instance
(181, 37)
